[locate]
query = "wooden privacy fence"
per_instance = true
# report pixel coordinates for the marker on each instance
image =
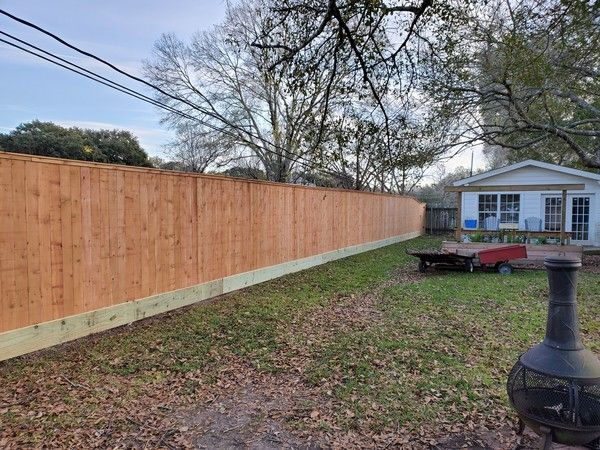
(86, 247)
(440, 220)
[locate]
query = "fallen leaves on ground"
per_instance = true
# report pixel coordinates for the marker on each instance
(361, 353)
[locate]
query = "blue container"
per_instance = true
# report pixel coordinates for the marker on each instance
(471, 223)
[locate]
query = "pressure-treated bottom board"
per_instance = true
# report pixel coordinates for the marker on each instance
(36, 337)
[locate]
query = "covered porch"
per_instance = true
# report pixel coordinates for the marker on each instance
(501, 225)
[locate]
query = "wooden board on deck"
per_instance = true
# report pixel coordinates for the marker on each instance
(535, 253)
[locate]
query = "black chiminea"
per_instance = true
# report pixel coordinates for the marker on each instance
(555, 385)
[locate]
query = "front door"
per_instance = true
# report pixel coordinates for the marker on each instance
(579, 216)
(581, 226)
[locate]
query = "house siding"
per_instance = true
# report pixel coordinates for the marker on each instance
(531, 201)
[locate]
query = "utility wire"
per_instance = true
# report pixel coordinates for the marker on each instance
(111, 84)
(92, 75)
(292, 157)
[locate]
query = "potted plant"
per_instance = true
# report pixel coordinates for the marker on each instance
(477, 237)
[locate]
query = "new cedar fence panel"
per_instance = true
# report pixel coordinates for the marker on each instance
(77, 238)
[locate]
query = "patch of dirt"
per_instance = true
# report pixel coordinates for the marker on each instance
(479, 439)
(249, 418)
(591, 263)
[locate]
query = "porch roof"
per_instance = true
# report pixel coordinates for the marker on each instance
(516, 187)
(527, 163)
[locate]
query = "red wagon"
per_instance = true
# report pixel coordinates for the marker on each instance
(499, 257)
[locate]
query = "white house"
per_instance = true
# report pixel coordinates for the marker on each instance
(529, 196)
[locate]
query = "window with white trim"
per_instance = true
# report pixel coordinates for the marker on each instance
(507, 209)
(510, 204)
(580, 218)
(488, 206)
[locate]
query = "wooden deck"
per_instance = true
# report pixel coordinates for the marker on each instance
(535, 253)
(514, 232)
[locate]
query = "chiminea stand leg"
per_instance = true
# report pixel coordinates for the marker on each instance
(520, 430)
(546, 438)
(521, 427)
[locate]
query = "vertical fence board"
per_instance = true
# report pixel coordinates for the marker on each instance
(7, 254)
(113, 239)
(45, 301)
(55, 231)
(170, 250)
(33, 243)
(77, 239)
(67, 239)
(146, 251)
(20, 242)
(104, 226)
(87, 266)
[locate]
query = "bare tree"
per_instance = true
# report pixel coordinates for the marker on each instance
(354, 148)
(226, 83)
(196, 149)
(359, 150)
(388, 48)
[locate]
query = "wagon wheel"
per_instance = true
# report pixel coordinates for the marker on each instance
(469, 267)
(422, 266)
(505, 269)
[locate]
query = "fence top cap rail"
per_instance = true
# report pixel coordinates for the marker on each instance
(91, 164)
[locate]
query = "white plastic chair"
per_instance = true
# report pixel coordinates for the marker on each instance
(533, 224)
(490, 223)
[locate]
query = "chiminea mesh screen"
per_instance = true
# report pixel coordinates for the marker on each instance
(554, 401)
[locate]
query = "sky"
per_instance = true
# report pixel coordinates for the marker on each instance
(122, 32)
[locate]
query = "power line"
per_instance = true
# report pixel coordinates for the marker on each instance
(97, 58)
(288, 155)
(92, 75)
(111, 84)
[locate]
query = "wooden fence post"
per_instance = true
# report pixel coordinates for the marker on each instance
(563, 217)
(458, 233)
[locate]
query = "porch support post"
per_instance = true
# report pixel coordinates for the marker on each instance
(458, 232)
(563, 217)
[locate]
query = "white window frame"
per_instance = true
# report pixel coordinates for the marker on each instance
(498, 212)
(557, 211)
(483, 214)
(581, 231)
(514, 202)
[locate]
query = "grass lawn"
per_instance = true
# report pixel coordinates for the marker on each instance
(361, 352)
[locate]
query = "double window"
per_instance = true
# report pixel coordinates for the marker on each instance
(506, 210)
